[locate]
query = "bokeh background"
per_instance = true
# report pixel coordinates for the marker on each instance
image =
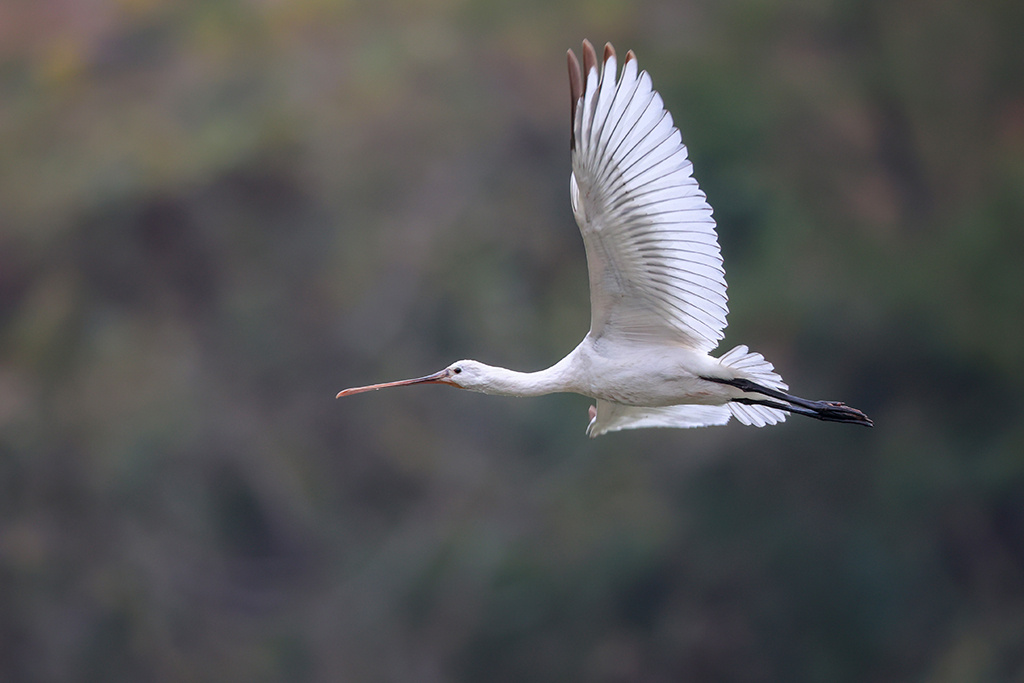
(215, 214)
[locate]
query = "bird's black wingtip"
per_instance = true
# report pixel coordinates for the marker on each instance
(575, 93)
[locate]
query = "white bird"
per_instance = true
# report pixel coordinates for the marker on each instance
(657, 286)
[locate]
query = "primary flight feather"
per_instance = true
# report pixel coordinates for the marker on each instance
(657, 285)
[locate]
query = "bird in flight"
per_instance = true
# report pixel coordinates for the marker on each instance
(657, 286)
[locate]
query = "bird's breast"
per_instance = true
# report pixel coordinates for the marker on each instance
(642, 376)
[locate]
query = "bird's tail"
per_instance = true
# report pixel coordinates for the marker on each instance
(757, 377)
(753, 366)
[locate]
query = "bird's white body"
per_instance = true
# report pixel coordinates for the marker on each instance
(633, 376)
(635, 384)
(657, 285)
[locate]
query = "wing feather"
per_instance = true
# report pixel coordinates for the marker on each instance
(655, 265)
(611, 417)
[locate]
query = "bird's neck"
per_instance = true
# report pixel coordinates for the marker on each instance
(504, 382)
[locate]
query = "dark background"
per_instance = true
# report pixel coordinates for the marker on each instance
(215, 215)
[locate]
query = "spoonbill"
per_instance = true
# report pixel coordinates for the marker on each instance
(657, 285)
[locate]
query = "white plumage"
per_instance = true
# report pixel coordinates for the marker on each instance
(657, 285)
(655, 267)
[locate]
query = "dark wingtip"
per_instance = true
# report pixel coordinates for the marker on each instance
(575, 93)
(609, 51)
(589, 59)
(630, 56)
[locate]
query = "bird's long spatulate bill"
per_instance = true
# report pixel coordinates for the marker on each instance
(429, 379)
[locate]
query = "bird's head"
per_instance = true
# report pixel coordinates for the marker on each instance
(468, 374)
(464, 374)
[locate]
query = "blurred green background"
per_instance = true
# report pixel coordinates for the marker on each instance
(216, 214)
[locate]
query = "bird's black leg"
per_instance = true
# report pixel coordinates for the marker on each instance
(830, 411)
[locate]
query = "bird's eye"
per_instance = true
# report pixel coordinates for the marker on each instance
(456, 370)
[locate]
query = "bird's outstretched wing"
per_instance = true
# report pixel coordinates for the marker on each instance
(655, 266)
(611, 417)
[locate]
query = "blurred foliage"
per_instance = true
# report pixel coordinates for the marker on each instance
(215, 214)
